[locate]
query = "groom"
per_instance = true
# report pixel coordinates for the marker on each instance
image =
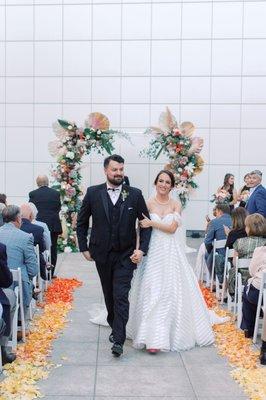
(114, 208)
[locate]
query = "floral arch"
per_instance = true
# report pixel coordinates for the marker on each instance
(73, 142)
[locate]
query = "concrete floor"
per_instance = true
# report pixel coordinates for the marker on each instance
(89, 371)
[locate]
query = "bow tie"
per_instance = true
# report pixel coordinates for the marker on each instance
(113, 190)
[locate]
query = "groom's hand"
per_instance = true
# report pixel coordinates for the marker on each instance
(87, 255)
(136, 256)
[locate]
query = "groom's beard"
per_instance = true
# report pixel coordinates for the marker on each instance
(116, 180)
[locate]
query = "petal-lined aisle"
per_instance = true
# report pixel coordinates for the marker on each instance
(232, 344)
(31, 364)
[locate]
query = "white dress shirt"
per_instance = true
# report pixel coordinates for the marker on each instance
(252, 190)
(114, 193)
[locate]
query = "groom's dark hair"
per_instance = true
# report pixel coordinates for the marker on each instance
(113, 157)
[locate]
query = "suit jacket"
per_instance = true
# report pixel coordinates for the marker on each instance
(20, 254)
(216, 231)
(46, 234)
(37, 232)
(257, 201)
(48, 204)
(95, 204)
(6, 278)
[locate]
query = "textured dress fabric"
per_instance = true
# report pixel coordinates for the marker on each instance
(167, 309)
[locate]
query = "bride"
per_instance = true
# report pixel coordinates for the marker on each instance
(167, 309)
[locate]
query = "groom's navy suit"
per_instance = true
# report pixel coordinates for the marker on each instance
(112, 242)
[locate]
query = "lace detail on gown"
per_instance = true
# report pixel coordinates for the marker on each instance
(167, 309)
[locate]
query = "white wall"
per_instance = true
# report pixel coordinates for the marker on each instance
(129, 59)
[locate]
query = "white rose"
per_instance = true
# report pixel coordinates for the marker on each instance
(70, 155)
(67, 249)
(179, 169)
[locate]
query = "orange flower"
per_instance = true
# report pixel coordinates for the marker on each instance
(30, 364)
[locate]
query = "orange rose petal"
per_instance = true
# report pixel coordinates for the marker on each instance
(31, 364)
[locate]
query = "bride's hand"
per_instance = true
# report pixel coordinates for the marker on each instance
(145, 222)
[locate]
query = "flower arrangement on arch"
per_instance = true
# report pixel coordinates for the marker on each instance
(176, 141)
(71, 144)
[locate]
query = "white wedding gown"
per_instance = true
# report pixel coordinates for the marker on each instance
(167, 310)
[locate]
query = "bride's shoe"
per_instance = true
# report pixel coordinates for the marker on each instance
(153, 351)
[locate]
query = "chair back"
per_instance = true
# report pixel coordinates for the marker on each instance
(243, 263)
(16, 274)
(218, 244)
(261, 300)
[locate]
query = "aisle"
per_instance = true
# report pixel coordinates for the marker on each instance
(87, 370)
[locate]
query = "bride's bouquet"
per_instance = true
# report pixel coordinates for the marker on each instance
(176, 141)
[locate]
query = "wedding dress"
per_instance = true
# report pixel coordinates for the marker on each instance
(167, 310)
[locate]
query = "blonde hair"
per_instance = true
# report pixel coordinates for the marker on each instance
(256, 225)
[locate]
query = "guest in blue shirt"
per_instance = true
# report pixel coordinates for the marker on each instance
(216, 231)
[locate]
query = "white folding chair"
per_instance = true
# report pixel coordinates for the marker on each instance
(217, 244)
(242, 263)
(37, 280)
(262, 298)
(16, 273)
(14, 329)
(47, 257)
(229, 253)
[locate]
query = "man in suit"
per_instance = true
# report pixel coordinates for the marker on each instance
(48, 204)
(114, 208)
(8, 302)
(257, 194)
(37, 232)
(216, 231)
(20, 250)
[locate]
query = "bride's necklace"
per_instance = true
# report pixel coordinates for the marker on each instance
(161, 202)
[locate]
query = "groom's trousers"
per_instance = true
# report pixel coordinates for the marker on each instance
(116, 282)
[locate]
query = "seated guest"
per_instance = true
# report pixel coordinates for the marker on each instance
(257, 194)
(47, 201)
(238, 230)
(37, 232)
(8, 302)
(251, 291)
(20, 250)
(244, 192)
(46, 232)
(216, 231)
(200, 266)
(255, 226)
(2, 206)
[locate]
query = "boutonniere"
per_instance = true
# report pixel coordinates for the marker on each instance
(124, 194)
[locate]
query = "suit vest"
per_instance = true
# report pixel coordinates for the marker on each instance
(114, 215)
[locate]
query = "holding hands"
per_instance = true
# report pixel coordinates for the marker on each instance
(136, 256)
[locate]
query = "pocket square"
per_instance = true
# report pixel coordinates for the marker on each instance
(130, 208)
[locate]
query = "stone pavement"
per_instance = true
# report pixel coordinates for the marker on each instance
(88, 371)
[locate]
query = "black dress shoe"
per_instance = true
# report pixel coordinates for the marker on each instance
(117, 349)
(111, 338)
(247, 333)
(263, 353)
(7, 357)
